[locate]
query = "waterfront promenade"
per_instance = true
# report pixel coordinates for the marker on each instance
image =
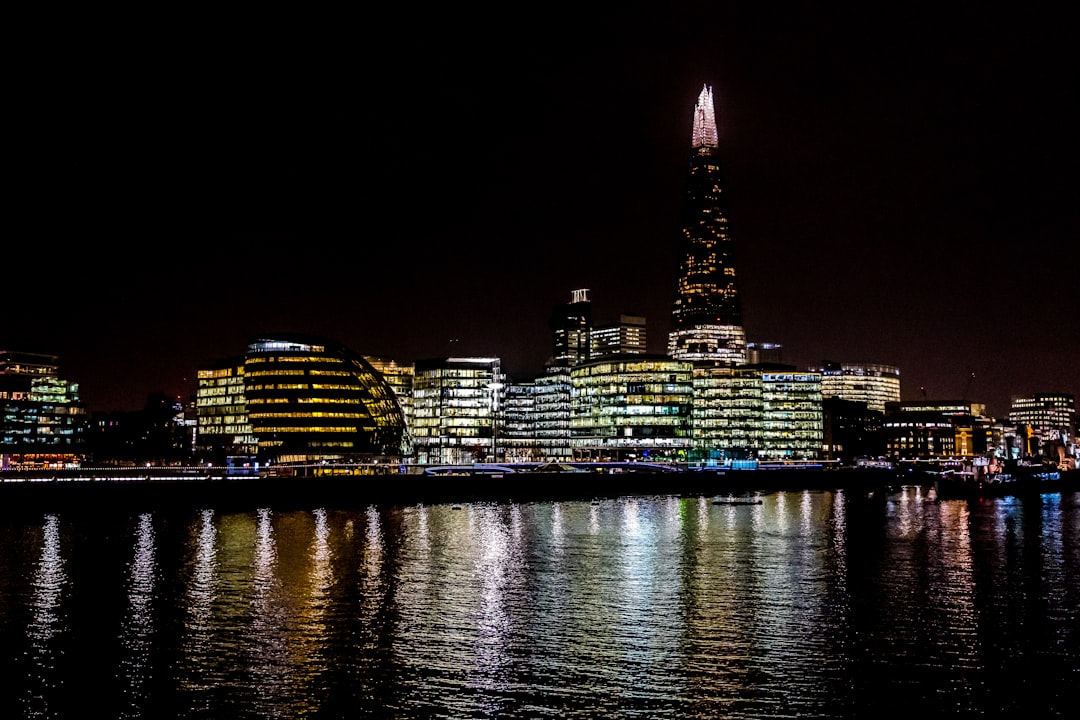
(358, 486)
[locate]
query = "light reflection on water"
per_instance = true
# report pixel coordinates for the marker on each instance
(814, 604)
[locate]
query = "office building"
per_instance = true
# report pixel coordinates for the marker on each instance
(625, 337)
(870, 383)
(312, 400)
(1049, 422)
(223, 429)
(571, 329)
(43, 421)
(631, 407)
(707, 312)
(456, 404)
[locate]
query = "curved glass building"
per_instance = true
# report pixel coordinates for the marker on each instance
(312, 400)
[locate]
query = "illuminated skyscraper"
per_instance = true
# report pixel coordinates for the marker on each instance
(707, 313)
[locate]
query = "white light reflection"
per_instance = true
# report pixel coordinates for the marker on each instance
(806, 514)
(50, 580)
(267, 639)
(497, 572)
(204, 578)
(138, 625)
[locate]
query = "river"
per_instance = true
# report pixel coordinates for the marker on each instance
(816, 603)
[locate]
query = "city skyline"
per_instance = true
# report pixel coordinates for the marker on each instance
(899, 196)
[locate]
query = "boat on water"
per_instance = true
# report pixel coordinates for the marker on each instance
(1015, 480)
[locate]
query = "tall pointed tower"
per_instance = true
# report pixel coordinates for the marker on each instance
(707, 314)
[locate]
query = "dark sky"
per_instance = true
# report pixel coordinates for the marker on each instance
(903, 186)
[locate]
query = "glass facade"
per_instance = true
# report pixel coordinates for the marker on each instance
(517, 425)
(311, 400)
(631, 407)
(872, 384)
(456, 402)
(707, 311)
(622, 338)
(571, 329)
(43, 422)
(727, 414)
(223, 428)
(792, 425)
(551, 407)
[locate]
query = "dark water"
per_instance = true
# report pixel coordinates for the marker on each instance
(812, 604)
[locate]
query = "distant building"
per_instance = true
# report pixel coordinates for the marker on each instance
(758, 353)
(43, 421)
(1051, 422)
(517, 437)
(551, 408)
(571, 329)
(756, 412)
(870, 383)
(625, 337)
(938, 430)
(399, 376)
(851, 430)
(707, 311)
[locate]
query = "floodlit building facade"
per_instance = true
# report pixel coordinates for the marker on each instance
(551, 408)
(728, 414)
(792, 424)
(707, 311)
(517, 437)
(399, 377)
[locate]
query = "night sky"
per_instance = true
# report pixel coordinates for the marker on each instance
(903, 186)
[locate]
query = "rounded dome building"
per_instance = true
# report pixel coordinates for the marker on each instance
(310, 399)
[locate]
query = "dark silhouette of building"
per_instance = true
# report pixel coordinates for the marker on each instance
(571, 330)
(851, 430)
(707, 312)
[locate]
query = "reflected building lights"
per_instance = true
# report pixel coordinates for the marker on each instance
(138, 626)
(46, 621)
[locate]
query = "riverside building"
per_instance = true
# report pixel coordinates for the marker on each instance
(43, 421)
(223, 430)
(707, 312)
(1051, 419)
(307, 399)
(869, 383)
(631, 407)
(756, 412)
(456, 405)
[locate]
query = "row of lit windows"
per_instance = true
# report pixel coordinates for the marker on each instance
(308, 429)
(343, 415)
